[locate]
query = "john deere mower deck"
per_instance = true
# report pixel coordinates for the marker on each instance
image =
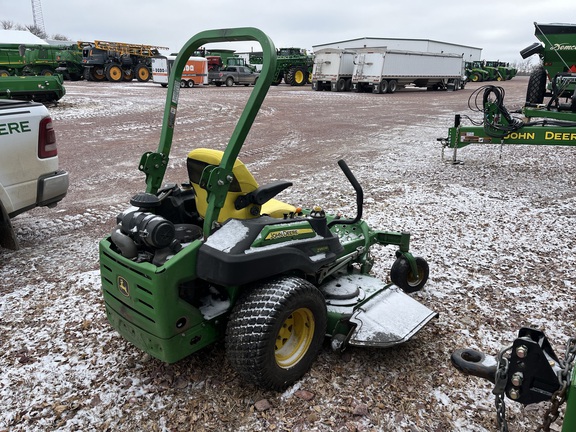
(218, 257)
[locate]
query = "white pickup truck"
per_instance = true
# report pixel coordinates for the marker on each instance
(29, 174)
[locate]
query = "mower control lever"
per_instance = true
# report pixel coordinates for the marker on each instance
(359, 196)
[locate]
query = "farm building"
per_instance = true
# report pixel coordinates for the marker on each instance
(422, 45)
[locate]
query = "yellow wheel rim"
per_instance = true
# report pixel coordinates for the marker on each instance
(143, 73)
(299, 77)
(294, 338)
(115, 73)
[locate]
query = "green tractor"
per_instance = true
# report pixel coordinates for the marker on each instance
(218, 257)
(555, 75)
(293, 65)
(475, 72)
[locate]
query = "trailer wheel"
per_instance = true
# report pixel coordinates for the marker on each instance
(114, 73)
(142, 73)
(392, 86)
(402, 276)
(341, 85)
(275, 332)
(190, 83)
(382, 87)
(536, 86)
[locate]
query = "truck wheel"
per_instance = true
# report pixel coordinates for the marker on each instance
(142, 73)
(229, 82)
(275, 332)
(536, 86)
(114, 73)
(392, 86)
(382, 87)
(402, 276)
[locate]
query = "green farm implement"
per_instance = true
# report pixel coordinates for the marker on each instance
(218, 257)
(33, 88)
(550, 122)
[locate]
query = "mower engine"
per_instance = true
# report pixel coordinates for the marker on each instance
(156, 226)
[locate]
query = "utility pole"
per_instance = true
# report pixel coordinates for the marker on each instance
(37, 14)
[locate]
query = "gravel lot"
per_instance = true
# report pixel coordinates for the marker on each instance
(495, 231)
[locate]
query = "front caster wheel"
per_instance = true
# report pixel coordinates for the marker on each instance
(276, 331)
(402, 275)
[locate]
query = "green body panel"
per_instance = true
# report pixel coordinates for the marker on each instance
(569, 423)
(149, 311)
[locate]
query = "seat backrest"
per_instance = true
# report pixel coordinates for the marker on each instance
(243, 183)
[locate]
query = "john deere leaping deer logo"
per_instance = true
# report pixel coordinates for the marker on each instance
(123, 286)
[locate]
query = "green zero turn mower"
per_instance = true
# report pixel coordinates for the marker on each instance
(219, 258)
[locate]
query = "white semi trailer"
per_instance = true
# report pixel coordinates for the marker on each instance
(333, 69)
(384, 71)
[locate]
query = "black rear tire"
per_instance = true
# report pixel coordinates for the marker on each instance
(536, 86)
(275, 332)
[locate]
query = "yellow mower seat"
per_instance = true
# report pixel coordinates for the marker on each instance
(242, 184)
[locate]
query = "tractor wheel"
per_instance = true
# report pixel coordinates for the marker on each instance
(536, 86)
(275, 332)
(142, 73)
(4, 73)
(392, 86)
(229, 82)
(474, 77)
(97, 73)
(402, 276)
(296, 76)
(114, 73)
(46, 72)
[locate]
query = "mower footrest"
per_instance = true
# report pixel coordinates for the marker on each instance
(389, 318)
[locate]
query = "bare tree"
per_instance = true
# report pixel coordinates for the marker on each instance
(6, 24)
(60, 37)
(35, 30)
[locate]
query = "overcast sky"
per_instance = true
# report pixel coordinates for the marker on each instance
(501, 28)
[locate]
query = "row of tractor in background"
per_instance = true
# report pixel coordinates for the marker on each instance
(93, 61)
(479, 71)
